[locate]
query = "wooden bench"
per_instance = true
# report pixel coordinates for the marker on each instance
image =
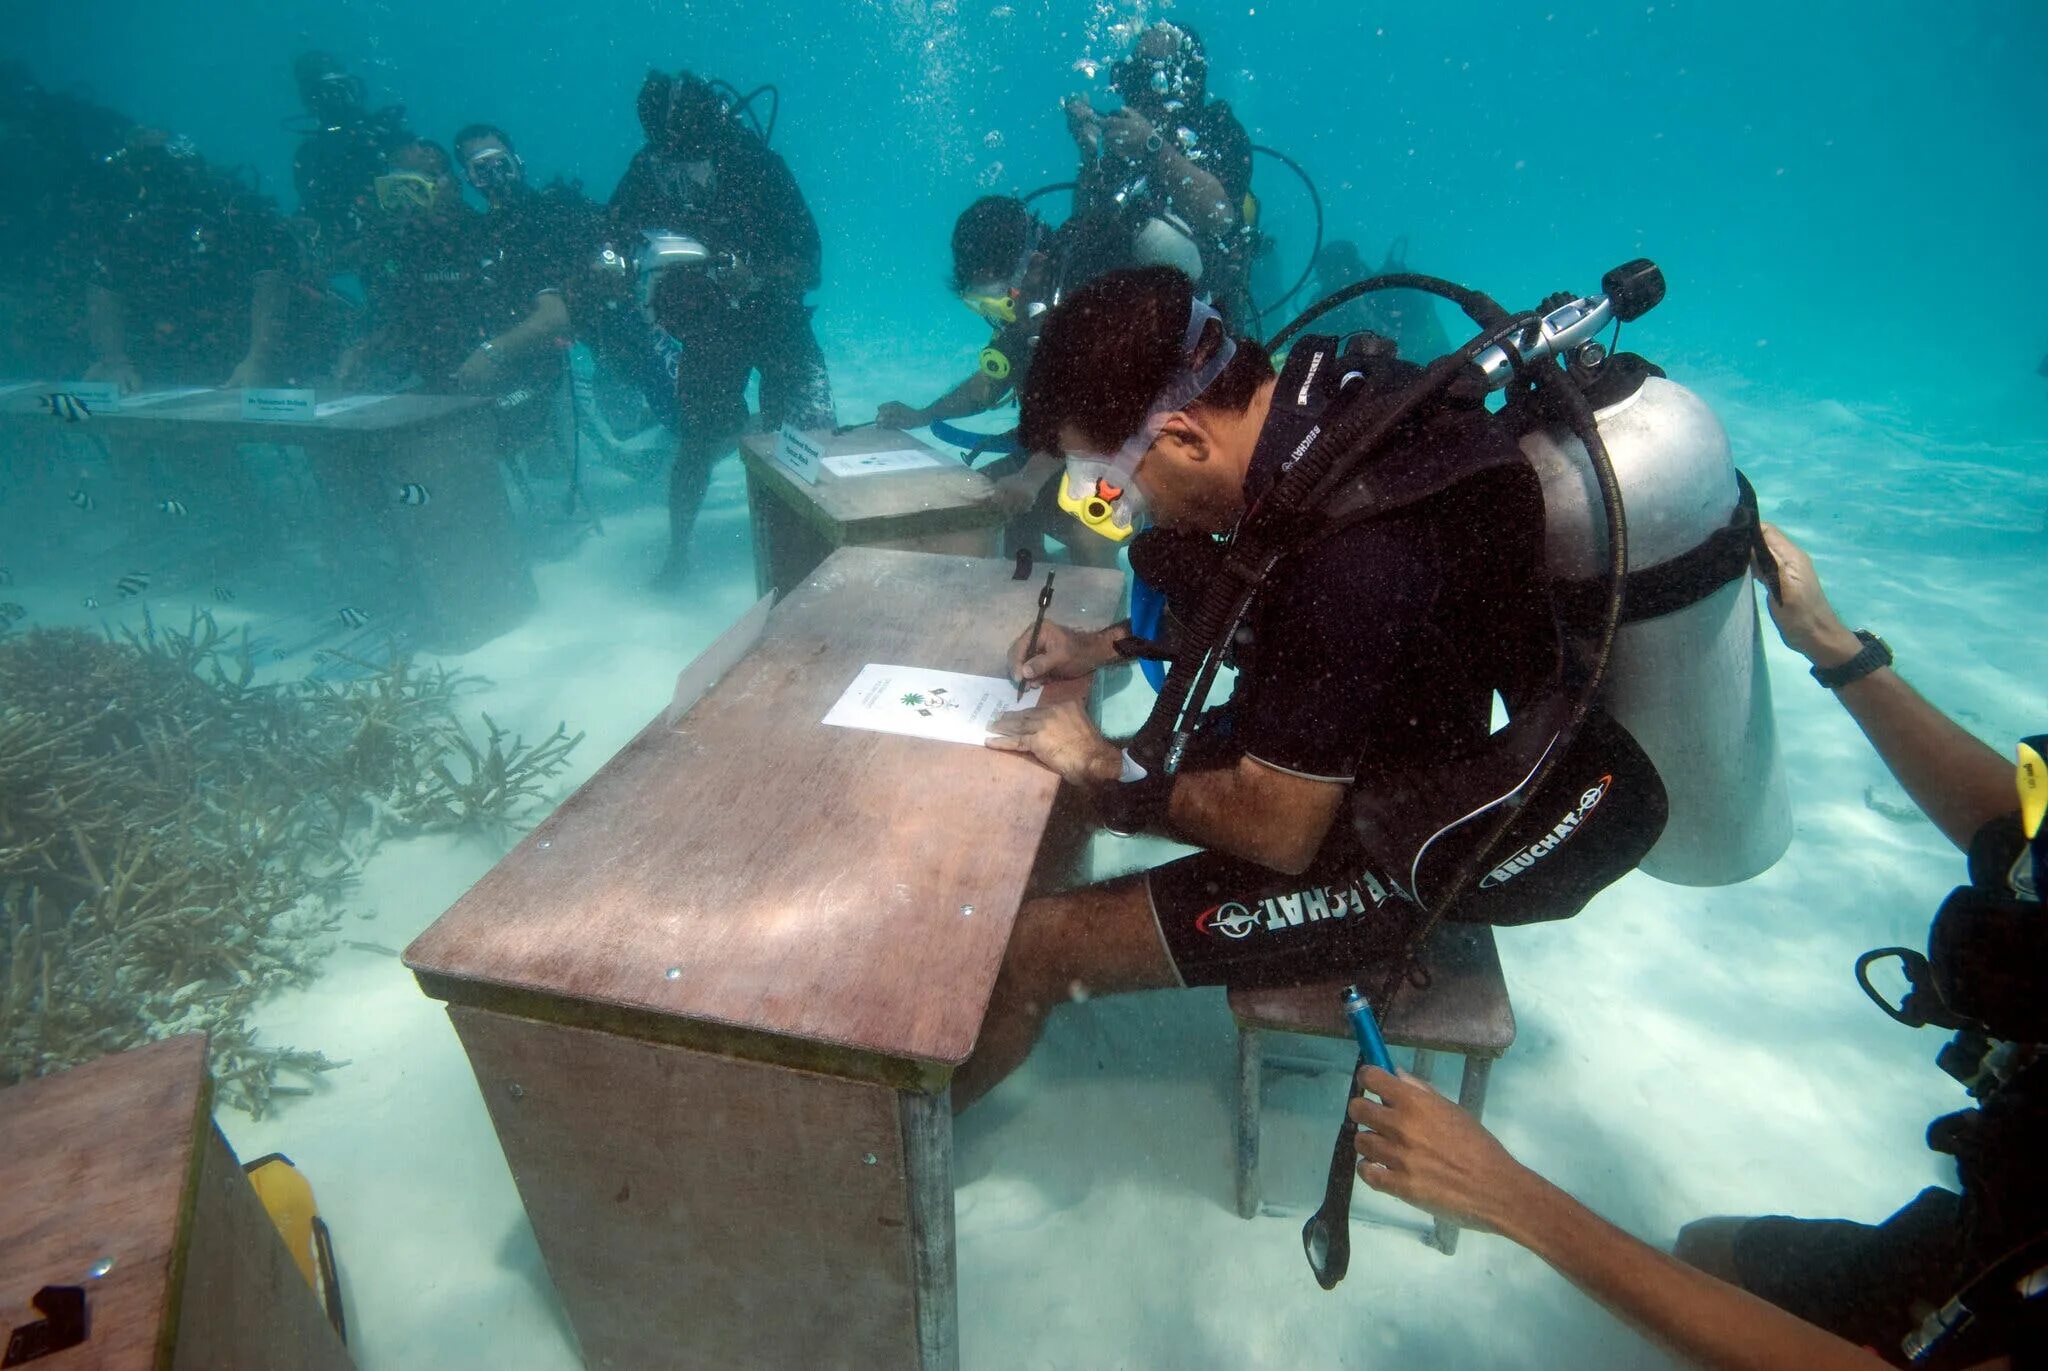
(1464, 1009)
(114, 1179)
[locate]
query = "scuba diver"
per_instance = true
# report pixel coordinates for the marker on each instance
(340, 157)
(53, 146)
(726, 250)
(1979, 1258)
(1010, 268)
(452, 306)
(188, 275)
(1406, 317)
(1393, 558)
(1173, 165)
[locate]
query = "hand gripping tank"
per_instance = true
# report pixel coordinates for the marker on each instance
(1690, 686)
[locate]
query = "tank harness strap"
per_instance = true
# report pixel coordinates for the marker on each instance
(1686, 579)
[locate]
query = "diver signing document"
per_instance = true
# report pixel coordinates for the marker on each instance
(918, 703)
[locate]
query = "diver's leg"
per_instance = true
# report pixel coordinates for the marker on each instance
(795, 387)
(710, 405)
(1098, 940)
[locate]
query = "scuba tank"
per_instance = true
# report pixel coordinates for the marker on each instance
(1687, 676)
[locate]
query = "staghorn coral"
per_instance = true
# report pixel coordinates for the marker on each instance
(175, 837)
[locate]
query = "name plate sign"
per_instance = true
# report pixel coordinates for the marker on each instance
(98, 395)
(798, 453)
(289, 406)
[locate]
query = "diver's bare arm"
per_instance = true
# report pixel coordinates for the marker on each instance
(974, 395)
(269, 298)
(1197, 194)
(546, 322)
(1957, 781)
(1254, 811)
(1705, 1321)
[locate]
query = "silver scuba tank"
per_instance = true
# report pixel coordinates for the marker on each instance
(1691, 686)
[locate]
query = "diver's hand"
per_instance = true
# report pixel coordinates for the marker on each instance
(1015, 494)
(1083, 126)
(900, 416)
(1126, 132)
(479, 371)
(1064, 654)
(250, 371)
(1418, 1146)
(349, 365)
(119, 370)
(1805, 619)
(1063, 739)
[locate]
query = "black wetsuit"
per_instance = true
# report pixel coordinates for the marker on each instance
(440, 288)
(335, 171)
(52, 147)
(181, 245)
(1373, 650)
(742, 200)
(1869, 1283)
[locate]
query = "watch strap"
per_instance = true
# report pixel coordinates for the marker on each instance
(1875, 654)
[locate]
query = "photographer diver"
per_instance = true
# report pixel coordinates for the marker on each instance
(1379, 557)
(1950, 1280)
(726, 250)
(1172, 166)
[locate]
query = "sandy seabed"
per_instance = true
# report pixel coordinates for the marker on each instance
(1681, 1051)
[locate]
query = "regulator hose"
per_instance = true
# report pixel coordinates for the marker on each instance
(1314, 199)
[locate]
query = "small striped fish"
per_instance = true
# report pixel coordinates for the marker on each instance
(66, 406)
(413, 493)
(133, 584)
(351, 617)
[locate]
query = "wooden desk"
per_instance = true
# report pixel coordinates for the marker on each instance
(949, 508)
(459, 552)
(714, 1002)
(118, 1162)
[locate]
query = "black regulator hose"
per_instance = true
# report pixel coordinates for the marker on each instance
(1315, 199)
(1483, 310)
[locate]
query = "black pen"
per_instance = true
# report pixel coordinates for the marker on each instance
(1044, 601)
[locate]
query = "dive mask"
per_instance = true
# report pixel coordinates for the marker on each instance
(399, 191)
(1101, 489)
(494, 171)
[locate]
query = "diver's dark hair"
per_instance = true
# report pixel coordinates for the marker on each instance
(315, 65)
(1109, 348)
(440, 154)
(988, 237)
(470, 133)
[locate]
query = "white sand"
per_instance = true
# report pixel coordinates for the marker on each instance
(1681, 1052)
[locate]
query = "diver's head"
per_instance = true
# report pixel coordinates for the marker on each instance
(1167, 71)
(329, 93)
(488, 160)
(1339, 264)
(681, 115)
(418, 184)
(1152, 403)
(996, 255)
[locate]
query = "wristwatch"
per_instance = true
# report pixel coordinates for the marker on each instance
(1874, 655)
(1134, 802)
(1153, 142)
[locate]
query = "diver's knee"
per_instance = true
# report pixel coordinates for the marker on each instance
(1709, 1245)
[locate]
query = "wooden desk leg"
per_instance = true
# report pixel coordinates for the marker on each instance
(761, 525)
(460, 552)
(1472, 1099)
(928, 1157)
(701, 1210)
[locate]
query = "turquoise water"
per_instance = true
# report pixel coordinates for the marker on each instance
(1848, 204)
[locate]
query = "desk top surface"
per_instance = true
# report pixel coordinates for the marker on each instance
(752, 868)
(160, 404)
(94, 1165)
(851, 501)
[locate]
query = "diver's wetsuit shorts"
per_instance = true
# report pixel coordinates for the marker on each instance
(1235, 923)
(1856, 1280)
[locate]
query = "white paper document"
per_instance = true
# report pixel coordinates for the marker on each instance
(870, 463)
(918, 703)
(147, 398)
